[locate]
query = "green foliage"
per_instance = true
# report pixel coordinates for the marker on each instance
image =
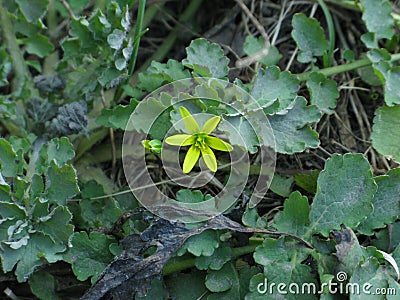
(347, 199)
(378, 18)
(281, 185)
(386, 203)
(291, 130)
(385, 134)
(89, 255)
(33, 10)
(203, 244)
(206, 59)
(253, 46)
(323, 92)
(309, 37)
(43, 285)
(294, 217)
(274, 90)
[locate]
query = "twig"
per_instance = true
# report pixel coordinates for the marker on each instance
(253, 19)
(69, 9)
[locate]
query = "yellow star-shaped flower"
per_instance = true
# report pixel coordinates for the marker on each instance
(200, 141)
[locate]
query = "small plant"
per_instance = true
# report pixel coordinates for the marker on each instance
(200, 141)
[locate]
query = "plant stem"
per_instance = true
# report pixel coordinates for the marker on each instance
(169, 41)
(138, 30)
(186, 263)
(343, 68)
(331, 30)
(19, 66)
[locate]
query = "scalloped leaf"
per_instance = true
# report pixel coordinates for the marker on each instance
(377, 16)
(309, 37)
(207, 59)
(323, 92)
(292, 134)
(274, 90)
(386, 203)
(385, 131)
(344, 193)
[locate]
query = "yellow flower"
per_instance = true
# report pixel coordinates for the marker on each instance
(200, 141)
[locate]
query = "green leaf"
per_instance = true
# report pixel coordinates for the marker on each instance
(386, 203)
(189, 196)
(158, 74)
(30, 256)
(395, 287)
(12, 211)
(392, 93)
(117, 117)
(294, 217)
(224, 280)
(61, 150)
(274, 250)
(70, 46)
(116, 39)
(80, 29)
(272, 86)
(43, 285)
(369, 272)
(201, 244)
(323, 92)
(309, 37)
(8, 159)
(307, 182)
(98, 212)
(254, 46)
(292, 134)
(385, 133)
(246, 136)
(61, 183)
(281, 185)
(344, 193)
(39, 45)
(215, 261)
(33, 10)
(89, 255)
(251, 218)
(387, 239)
(57, 225)
(282, 260)
(377, 15)
(207, 59)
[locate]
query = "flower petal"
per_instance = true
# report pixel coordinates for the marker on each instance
(209, 158)
(190, 123)
(190, 159)
(211, 124)
(180, 140)
(218, 144)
